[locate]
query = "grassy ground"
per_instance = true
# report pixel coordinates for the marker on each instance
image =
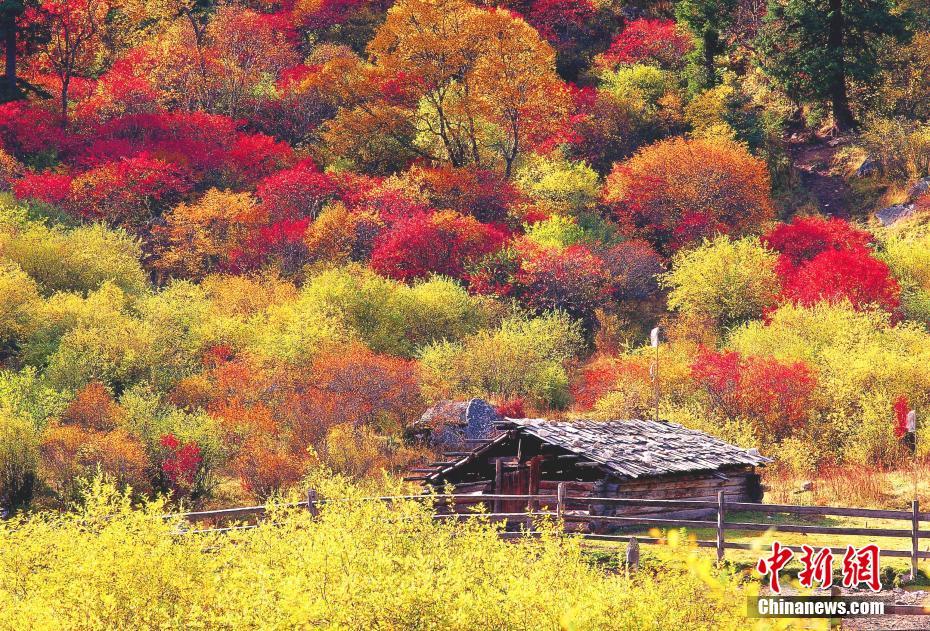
(857, 487)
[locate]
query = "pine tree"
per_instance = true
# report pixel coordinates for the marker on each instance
(813, 49)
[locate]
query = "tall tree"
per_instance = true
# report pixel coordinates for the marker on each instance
(707, 20)
(74, 38)
(813, 49)
(10, 12)
(453, 83)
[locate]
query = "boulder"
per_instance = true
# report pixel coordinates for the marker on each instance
(893, 214)
(870, 166)
(918, 188)
(449, 424)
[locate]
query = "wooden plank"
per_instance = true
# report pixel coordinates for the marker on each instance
(645, 521)
(498, 481)
(720, 525)
(823, 511)
(223, 513)
(915, 537)
(623, 501)
(822, 530)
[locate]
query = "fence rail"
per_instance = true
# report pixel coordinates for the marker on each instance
(564, 507)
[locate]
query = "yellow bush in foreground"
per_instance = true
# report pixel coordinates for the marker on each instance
(359, 565)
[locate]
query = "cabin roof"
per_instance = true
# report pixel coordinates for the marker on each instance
(626, 449)
(636, 448)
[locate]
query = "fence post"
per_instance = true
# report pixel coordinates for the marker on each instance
(915, 537)
(720, 513)
(312, 499)
(560, 501)
(498, 482)
(632, 556)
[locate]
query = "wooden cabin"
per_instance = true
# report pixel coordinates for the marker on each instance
(624, 459)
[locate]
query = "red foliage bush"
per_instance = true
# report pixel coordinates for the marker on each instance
(566, 24)
(648, 41)
(835, 275)
(776, 396)
(27, 130)
(486, 195)
(300, 191)
(574, 280)
(806, 237)
(48, 187)
(830, 260)
(439, 243)
(602, 375)
(179, 464)
(901, 408)
(254, 156)
(128, 192)
(196, 141)
(512, 408)
(679, 191)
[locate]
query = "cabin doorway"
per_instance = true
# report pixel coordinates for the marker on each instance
(523, 479)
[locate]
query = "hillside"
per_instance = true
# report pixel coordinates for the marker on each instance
(245, 241)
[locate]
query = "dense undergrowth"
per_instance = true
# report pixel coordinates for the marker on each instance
(358, 565)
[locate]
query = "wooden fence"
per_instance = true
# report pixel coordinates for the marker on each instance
(564, 508)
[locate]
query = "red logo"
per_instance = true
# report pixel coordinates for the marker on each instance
(859, 566)
(772, 564)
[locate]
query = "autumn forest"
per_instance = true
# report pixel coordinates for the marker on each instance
(244, 242)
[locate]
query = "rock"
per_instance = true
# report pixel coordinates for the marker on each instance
(870, 166)
(918, 188)
(480, 417)
(450, 423)
(893, 214)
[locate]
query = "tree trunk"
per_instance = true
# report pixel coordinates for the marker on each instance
(10, 90)
(65, 84)
(839, 99)
(711, 43)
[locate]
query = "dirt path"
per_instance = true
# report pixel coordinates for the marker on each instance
(892, 622)
(813, 158)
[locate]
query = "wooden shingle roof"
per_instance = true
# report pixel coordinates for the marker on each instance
(636, 449)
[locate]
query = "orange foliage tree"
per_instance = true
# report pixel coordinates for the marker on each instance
(278, 420)
(208, 235)
(89, 437)
(453, 83)
(679, 191)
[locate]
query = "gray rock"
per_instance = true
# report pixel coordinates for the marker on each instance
(893, 214)
(918, 188)
(450, 423)
(870, 166)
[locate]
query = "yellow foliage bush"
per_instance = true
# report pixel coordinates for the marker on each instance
(359, 565)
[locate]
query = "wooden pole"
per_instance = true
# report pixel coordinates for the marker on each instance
(657, 383)
(632, 556)
(560, 501)
(498, 482)
(312, 499)
(720, 515)
(915, 537)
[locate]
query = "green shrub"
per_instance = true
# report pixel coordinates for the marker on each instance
(525, 357)
(724, 280)
(19, 460)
